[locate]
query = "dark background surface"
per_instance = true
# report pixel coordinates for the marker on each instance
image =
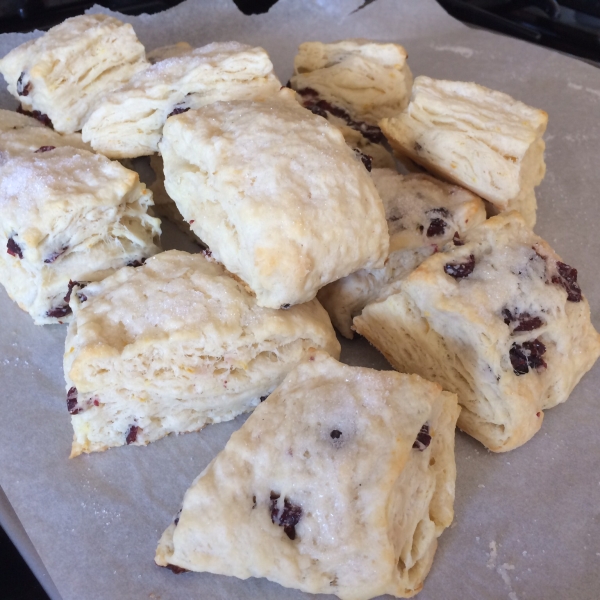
(571, 26)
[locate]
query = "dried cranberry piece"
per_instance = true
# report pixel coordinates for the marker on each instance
(178, 110)
(366, 159)
(457, 241)
(263, 398)
(45, 149)
(23, 90)
(59, 311)
(439, 211)
(423, 438)
(371, 132)
(308, 92)
(287, 518)
(55, 255)
(436, 227)
(567, 278)
(13, 248)
(177, 570)
(136, 263)
(335, 434)
(285, 306)
(71, 285)
(132, 434)
(525, 322)
(315, 109)
(460, 270)
(72, 406)
(253, 502)
(527, 355)
(36, 114)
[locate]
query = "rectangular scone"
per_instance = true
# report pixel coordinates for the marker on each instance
(61, 74)
(173, 345)
(478, 138)
(423, 214)
(500, 320)
(339, 483)
(67, 215)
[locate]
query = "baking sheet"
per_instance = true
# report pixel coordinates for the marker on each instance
(527, 523)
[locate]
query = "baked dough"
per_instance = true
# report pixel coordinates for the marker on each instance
(176, 344)
(64, 72)
(158, 54)
(339, 483)
(354, 84)
(476, 137)
(23, 135)
(501, 321)
(423, 214)
(276, 194)
(68, 215)
(129, 122)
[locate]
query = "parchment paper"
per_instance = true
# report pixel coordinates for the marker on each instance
(527, 523)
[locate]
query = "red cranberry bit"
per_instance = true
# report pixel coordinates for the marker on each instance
(263, 398)
(71, 285)
(287, 518)
(59, 311)
(55, 255)
(13, 248)
(567, 278)
(366, 159)
(285, 306)
(178, 110)
(527, 355)
(37, 115)
(335, 434)
(436, 227)
(525, 322)
(132, 434)
(460, 270)
(136, 263)
(96, 402)
(23, 90)
(457, 241)
(45, 149)
(72, 406)
(177, 570)
(423, 438)
(253, 502)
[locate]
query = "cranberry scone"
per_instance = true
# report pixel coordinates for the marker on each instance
(129, 121)
(68, 215)
(498, 319)
(173, 345)
(21, 134)
(276, 194)
(339, 483)
(423, 214)
(62, 74)
(354, 84)
(479, 138)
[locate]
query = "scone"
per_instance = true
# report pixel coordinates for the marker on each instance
(129, 122)
(423, 214)
(63, 73)
(21, 134)
(339, 483)
(66, 216)
(158, 54)
(476, 137)
(276, 194)
(173, 345)
(500, 320)
(354, 84)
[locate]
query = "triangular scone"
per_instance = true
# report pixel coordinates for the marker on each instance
(499, 320)
(129, 121)
(354, 84)
(340, 483)
(476, 137)
(68, 215)
(423, 214)
(61, 74)
(173, 345)
(277, 195)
